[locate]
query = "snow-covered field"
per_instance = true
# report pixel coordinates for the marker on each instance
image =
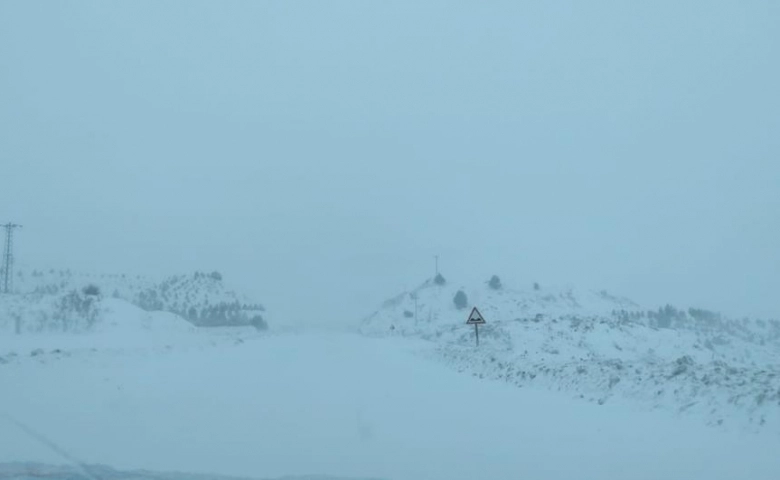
(272, 405)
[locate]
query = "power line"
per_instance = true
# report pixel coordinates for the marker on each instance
(8, 257)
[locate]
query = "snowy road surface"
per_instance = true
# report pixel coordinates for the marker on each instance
(343, 405)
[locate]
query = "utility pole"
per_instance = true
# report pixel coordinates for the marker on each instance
(8, 257)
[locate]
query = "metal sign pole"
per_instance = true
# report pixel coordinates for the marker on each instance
(476, 319)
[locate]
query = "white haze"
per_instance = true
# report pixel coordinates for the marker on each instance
(320, 154)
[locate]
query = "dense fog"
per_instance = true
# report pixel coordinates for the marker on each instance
(322, 153)
(408, 240)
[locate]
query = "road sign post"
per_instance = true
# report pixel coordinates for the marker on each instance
(476, 319)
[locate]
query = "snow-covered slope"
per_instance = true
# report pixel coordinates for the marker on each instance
(119, 316)
(117, 324)
(598, 347)
(348, 406)
(48, 300)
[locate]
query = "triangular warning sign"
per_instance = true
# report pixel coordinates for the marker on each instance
(475, 318)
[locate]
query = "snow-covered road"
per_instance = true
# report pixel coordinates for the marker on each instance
(342, 404)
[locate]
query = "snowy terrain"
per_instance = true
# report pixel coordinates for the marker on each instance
(64, 301)
(141, 390)
(271, 405)
(599, 347)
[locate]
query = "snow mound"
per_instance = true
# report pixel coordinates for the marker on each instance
(119, 316)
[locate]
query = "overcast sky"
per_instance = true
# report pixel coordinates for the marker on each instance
(320, 154)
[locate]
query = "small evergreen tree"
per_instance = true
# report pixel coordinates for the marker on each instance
(259, 323)
(439, 280)
(91, 290)
(460, 300)
(494, 282)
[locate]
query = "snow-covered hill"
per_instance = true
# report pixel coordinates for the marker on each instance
(62, 300)
(598, 346)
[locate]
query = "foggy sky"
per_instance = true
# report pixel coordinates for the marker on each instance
(320, 154)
